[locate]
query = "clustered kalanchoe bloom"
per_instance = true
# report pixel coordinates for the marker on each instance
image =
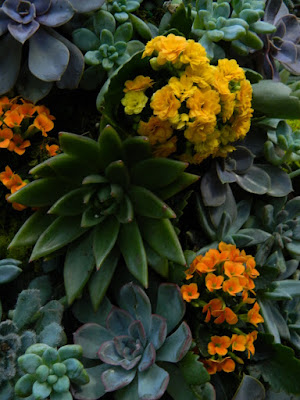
(226, 277)
(210, 105)
(20, 119)
(13, 182)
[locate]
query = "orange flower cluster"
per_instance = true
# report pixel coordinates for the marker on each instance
(203, 107)
(13, 182)
(20, 119)
(226, 277)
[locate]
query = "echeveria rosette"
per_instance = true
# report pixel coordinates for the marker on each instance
(113, 202)
(51, 56)
(49, 372)
(134, 344)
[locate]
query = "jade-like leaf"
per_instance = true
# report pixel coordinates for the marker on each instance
(103, 19)
(91, 217)
(255, 180)
(148, 204)
(281, 184)
(123, 33)
(118, 321)
(80, 146)
(61, 232)
(116, 378)
(132, 248)
(10, 64)
(84, 312)
(105, 236)
(78, 266)
(28, 304)
(140, 27)
(161, 236)
(152, 383)
(170, 305)
(8, 273)
(250, 385)
(71, 203)
(90, 337)
(23, 387)
(116, 172)
(110, 146)
(158, 331)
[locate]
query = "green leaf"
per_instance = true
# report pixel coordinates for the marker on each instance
(255, 180)
(110, 146)
(252, 40)
(71, 203)
(106, 37)
(105, 236)
(233, 32)
(8, 273)
(140, 27)
(161, 236)
(136, 149)
(183, 181)
(101, 279)
(117, 172)
(23, 386)
(132, 248)
(125, 213)
(192, 370)
(41, 192)
(60, 233)
(32, 229)
(281, 184)
(95, 388)
(170, 305)
(91, 217)
(103, 20)
(123, 33)
(80, 146)
(93, 58)
(157, 262)
(85, 39)
(78, 266)
(182, 20)
(250, 385)
(155, 173)
(28, 304)
(145, 203)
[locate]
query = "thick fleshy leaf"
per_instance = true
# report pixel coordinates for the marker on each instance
(78, 266)
(116, 378)
(30, 87)
(10, 64)
(60, 233)
(86, 6)
(161, 236)
(24, 385)
(108, 354)
(137, 331)
(152, 383)
(170, 305)
(85, 39)
(281, 184)
(212, 190)
(117, 172)
(158, 331)
(71, 203)
(118, 321)
(48, 57)
(4, 21)
(134, 300)
(135, 149)
(8, 273)
(10, 7)
(110, 146)
(28, 304)
(105, 236)
(22, 32)
(255, 180)
(84, 312)
(157, 262)
(31, 230)
(58, 14)
(125, 212)
(140, 27)
(80, 146)
(177, 345)
(131, 245)
(193, 370)
(101, 279)
(90, 337)
(148, 358)
(94, 389)
(183, 181)
(41, 6)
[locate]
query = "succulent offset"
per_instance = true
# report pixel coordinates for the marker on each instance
(49, 372)
(134, 342)
(114, 203)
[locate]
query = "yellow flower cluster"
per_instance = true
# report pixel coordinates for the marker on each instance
(207, 106)
(226, 277)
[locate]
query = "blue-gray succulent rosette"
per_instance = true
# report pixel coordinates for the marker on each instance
(51, 57)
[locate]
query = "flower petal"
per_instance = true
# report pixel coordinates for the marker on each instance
(48, 57)
(10, 64)
(58, 14)
(22, 32)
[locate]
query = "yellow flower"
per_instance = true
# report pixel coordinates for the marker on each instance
(170, 48)
(241, 124)
(164, 103)
(182, 87)
(165, 149)
(139, 83)
(198, 131)
(203, 76)
(204, 105)
(227, 103)
(156, 130)
(194, 54)
(152, 46)
(134, 102)
(230, 70)
(180, 121)
(244, 96)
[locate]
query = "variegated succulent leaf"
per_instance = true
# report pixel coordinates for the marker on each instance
(133, 339)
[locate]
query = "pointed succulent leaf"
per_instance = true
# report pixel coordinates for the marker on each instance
(118, 321)
(125, 212)
(163, 172)
(91, 217)
(158, 331)
(117, 172)
(140, 27)
(106, 37)
(105, 236)
(110, 146)
(152, 383)
(281, 184)
(71, 203)
(129, 392)
(137, 331)
(131, 245)
(176, 346)
(90, 337)
(135, 149)
(148, 204)
(161, 236)
(148, 358)
(78, 266)
(79, 146)
(157, 262)
(170, 305)
(183, 181)
(134, 300)
(108, 354)
(212, 190)
(60, 12)
(60, 233)
(116, 378)
(23, 387)
(293, 207)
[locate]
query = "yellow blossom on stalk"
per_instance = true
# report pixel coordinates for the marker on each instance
(230, 70)
(164, 103)
(228, 104)
(180, 121)
(204, 105)
(194, 55)
(244, 96)
(203, 76)
(165, 149)
(43, 123)
(156, 130)
(182, 87)
(134, 102)
(198, 131)
(189, 292)
(139, 83)
(170, 48)
(152, 46)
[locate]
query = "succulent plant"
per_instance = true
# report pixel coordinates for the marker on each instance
(133, 343)
(49, 372)
(9, 271)
(282, 45)
(113, 203)
(51, 56)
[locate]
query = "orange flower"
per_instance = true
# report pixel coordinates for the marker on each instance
(139, 83)
(238, 342)
(250, 338)
(18, 145)
(26, 109)
(219, 345)
(189, 292)
(44, 110)
(232, 286)
(6, 177)
(43, 123)
(156, 130)
(253, 315)
(165, 149)
(213, 305)
(18, 185)
(246, 298)
(213, 282)
(225, 315)
(232, 269)
(5, 136)
(170, 48)
(53, 150)
(13, 118)
(226, 364)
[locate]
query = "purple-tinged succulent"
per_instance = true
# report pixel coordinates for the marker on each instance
(284, 44)
(134, 345)
(51, 57)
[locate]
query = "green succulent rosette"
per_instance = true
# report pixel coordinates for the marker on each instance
(103, 199)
